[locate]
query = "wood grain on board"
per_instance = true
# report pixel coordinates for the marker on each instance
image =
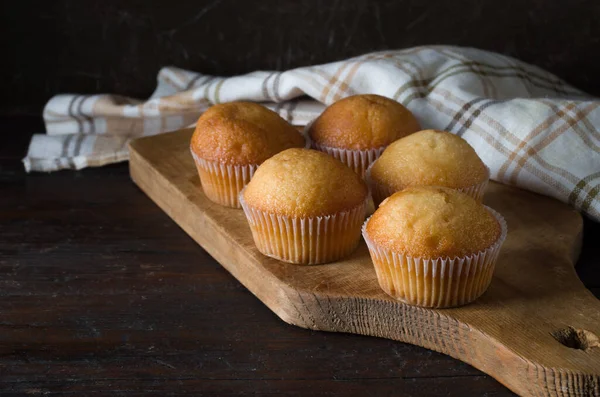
(535, 329)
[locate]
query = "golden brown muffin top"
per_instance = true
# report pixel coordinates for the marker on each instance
(432, 222)
(304, 182)
(242, 133)
(429, 157)
(363, 122)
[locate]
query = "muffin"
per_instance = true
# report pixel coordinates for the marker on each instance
(357, 129)
(434, 246)
(305, 207)
(428, 158)
(231, 140)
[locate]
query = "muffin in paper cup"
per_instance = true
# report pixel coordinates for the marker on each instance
(305, 207)
(305, 240)
(229, 143)
(357, 129)
(428, 158)
(429, 280)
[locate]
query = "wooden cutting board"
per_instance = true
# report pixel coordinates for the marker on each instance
(535, 330)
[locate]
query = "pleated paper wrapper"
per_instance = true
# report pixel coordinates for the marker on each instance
(221, 182)
(358, 160)
(309, 240)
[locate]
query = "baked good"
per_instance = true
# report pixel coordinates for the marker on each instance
(229, 143)
(428, 158)
(358, 128)
(305, 207)
(434, 246)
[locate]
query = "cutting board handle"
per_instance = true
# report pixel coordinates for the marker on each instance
(530, 361)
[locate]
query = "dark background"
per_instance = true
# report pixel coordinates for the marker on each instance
(98, 46)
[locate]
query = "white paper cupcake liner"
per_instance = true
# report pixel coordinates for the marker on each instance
(358, 160)
(476, 191)
(306, 241)
(221, 182)
(436, 282)
(381, 192)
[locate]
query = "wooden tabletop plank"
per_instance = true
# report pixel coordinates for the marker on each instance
(101, 291)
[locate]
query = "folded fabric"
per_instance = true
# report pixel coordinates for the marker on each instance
(532, 129)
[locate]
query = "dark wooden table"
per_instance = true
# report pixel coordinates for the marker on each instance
(101, 293)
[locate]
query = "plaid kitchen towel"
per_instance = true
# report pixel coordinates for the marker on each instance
(532, 129)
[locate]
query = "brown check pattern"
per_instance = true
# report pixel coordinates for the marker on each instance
(532, 129)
